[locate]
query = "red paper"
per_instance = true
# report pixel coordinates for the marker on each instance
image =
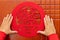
(28, 19)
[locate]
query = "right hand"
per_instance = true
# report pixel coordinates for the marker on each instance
(49, 27)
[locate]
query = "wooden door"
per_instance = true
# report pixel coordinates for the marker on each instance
(51, 8)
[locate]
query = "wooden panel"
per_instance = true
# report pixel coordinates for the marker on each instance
(51, 8)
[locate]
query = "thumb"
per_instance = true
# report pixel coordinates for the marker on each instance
(42, 32)
(12, 32)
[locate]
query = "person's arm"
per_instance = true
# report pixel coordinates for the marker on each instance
(2, 35)
(49, 29)
(5, 27)
(53, 37)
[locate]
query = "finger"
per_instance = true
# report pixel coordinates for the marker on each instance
(12, 32)
(42, 32)
(47, 19)
(9, 17)
(51, 20)
(45, 22)
(11, 20)
(5, 18)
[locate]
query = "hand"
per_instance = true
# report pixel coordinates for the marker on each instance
(5, 26)
(49, 27)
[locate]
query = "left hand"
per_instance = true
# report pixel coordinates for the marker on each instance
(5, 26)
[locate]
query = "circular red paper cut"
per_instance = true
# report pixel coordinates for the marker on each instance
(28, 19)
